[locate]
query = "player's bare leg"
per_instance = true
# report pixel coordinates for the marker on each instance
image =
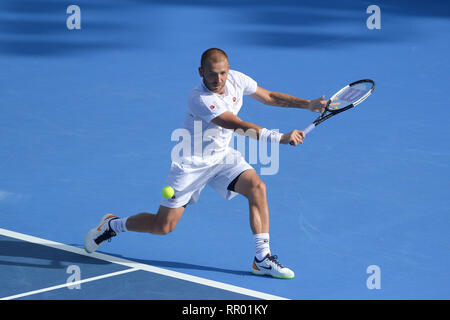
(253, 188)
(250, 185)
(163, 222)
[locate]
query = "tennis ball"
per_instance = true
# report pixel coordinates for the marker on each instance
(168, 192)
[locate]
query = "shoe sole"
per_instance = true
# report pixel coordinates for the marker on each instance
(106, 216)
(259, 273)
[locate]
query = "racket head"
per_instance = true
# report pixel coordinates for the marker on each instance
(350, 95)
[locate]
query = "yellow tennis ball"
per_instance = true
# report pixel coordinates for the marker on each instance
(168, 192)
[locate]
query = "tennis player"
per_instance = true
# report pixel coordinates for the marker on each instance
(214, 104)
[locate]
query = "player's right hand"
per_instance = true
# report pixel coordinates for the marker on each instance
(293, 138)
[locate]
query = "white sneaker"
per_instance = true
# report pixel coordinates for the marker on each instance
(97, 235)
(270, 266)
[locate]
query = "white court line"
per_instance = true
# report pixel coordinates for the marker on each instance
(141, 266)
(74, 283)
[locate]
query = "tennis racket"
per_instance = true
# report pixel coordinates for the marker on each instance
(346, 98)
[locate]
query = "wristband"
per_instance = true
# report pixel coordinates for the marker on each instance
(270, 135)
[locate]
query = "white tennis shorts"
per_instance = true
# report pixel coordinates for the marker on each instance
(189, 183)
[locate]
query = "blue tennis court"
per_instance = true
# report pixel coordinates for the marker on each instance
(359, 211)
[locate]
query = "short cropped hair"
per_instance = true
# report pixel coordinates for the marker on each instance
(214, 53)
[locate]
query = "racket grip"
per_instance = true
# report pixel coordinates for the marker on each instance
(309, 128)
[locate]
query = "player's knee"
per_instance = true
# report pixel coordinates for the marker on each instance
(162, 226)
(166, 219)
(167, 228)
(258, 189)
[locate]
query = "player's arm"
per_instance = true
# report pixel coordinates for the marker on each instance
(229, 120)
(286, 100)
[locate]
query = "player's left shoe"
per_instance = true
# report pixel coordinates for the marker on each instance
(271, 267)
(97, 235)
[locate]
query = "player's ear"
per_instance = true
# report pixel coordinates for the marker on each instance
(200, 71)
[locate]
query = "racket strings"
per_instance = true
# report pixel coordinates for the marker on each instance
(351, 95)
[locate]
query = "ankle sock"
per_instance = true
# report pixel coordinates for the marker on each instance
(261, 245)
(118, 225)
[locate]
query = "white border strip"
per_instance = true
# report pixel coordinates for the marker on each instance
(103, 276)
(140, 266)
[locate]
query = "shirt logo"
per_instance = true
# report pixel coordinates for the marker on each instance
(211, 107)
(234, 99)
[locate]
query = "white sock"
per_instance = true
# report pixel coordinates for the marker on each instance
(119, 225)
(262, 245)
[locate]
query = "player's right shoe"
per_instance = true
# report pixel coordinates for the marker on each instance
(98, 235)
(271, 267)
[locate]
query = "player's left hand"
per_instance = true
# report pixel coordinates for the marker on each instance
(318, 105)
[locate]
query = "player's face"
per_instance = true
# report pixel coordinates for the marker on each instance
(215, 75)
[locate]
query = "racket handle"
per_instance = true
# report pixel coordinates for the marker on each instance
(309, 128)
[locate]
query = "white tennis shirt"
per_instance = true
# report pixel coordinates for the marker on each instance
(209, 142)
